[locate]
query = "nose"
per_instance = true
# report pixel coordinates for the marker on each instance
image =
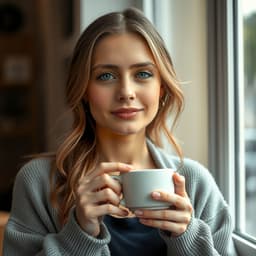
(126, 91)
(126, 96)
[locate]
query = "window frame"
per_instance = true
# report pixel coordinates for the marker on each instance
(224, 65)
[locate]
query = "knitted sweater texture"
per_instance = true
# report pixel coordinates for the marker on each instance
(33, 227)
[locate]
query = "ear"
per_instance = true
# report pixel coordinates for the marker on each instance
(161, 91)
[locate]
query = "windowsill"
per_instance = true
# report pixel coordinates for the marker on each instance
(244, 247)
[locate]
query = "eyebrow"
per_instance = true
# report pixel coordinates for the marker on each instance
(136, 65)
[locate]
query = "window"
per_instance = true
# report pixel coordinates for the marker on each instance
(232, 111)
(246, 121)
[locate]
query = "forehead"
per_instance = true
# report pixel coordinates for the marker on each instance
(122, 48)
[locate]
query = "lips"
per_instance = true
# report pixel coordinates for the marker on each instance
(126, 113)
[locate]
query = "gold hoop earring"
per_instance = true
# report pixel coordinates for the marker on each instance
(163, 100)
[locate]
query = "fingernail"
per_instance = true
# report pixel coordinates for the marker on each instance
(156, 195)
(182, 178)
(128, 166)
(138, 213)
(125, 213)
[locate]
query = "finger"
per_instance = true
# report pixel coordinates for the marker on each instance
(178, 201)
(179, 184)
(170, 215)
(176, 228)
(101, 182)
(107, 167)
(109, 209)
(106, 195)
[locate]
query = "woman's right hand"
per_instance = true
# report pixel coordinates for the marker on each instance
(98, 194)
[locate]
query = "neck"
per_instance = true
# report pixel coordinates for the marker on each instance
(130, 149)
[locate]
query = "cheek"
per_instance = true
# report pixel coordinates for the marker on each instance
(152, 97)
(97, 99)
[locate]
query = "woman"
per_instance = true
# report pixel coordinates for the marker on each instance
(121, 89)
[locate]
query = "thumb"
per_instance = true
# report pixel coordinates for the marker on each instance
(179, 184)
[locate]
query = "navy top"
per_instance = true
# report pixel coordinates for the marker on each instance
(130, 237)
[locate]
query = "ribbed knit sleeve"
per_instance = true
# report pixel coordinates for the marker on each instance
(210, 230)
(199, 240)
(33, 227)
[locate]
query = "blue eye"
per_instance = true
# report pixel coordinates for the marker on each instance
(144, 75)
(105, 77)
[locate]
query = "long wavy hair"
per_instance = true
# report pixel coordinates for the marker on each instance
(77, 155)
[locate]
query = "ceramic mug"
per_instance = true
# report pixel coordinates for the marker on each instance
(138, 185)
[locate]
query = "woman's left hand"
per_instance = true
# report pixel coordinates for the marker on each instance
(177, 218)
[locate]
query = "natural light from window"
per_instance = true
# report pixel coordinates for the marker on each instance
(249, 81)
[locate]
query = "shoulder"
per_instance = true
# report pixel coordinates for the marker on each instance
(186, 166)
(38, 167)
(34, 174)
(198, 177)
(191, 169)
(32, 192)
(32, 186)
(194, 170)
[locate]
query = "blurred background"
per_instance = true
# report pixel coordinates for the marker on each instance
(36, 42)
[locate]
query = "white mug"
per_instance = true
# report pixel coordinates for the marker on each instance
(138, 185)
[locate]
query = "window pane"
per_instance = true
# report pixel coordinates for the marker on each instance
(249, 56)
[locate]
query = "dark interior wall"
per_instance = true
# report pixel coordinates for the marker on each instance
(20, 109)
(36, 42)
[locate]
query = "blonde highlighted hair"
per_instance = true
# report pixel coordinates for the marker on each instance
(77, 155)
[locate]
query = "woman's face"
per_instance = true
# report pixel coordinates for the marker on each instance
(125, 85)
